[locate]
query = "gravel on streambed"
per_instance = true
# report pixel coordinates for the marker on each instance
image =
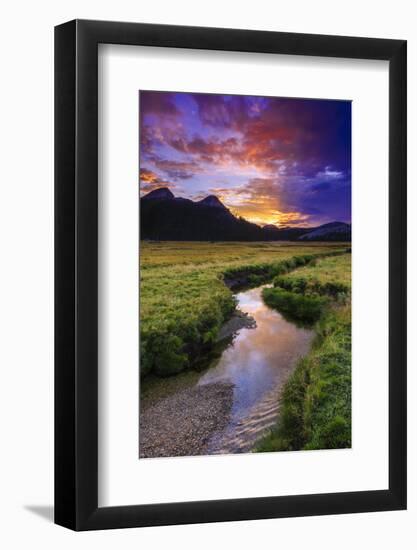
(182, 424)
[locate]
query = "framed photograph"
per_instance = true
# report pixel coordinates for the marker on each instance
(230, 252)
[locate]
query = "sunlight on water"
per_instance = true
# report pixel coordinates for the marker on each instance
(259, 359)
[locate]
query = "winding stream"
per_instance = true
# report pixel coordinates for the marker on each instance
(230, 405)
(258, 363)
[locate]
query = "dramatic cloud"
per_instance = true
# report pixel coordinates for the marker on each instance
(176, 169)
(149, 181)
(271, 160)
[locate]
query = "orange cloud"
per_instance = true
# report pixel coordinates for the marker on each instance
(259, 201)
(149, 180)
(292, 218)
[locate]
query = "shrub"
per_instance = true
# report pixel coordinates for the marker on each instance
(307, 309)
(333, 289)
(166, 351)
(295, 284)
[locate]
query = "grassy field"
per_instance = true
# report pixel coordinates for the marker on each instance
(316, 401)
(329, 277)
(327, 270)
(184, 299)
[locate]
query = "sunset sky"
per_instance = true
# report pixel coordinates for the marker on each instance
(271, 160)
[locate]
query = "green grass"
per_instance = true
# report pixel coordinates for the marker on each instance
(329, 276)
(316, 400)
(184, 300)
(294, 306)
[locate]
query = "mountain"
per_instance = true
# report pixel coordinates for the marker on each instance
(168, 218)
(274, 233)
(334, 231)
(159, 194)
(212, 201)
(164, 217)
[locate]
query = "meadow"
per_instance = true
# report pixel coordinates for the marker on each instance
(185, 293)
(316, 400)
(329, 276)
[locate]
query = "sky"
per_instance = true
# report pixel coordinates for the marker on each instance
(281, 161)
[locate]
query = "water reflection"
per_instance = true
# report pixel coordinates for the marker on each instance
(260, 358)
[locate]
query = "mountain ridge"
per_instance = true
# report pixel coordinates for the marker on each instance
(166, 217)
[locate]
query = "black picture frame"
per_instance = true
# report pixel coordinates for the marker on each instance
(76, 272)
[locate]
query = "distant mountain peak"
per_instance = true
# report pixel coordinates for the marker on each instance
(212, 201)
(160, 193)
(329, 231)
(332, 224)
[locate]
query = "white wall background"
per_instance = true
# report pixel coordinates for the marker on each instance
(26, 273)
